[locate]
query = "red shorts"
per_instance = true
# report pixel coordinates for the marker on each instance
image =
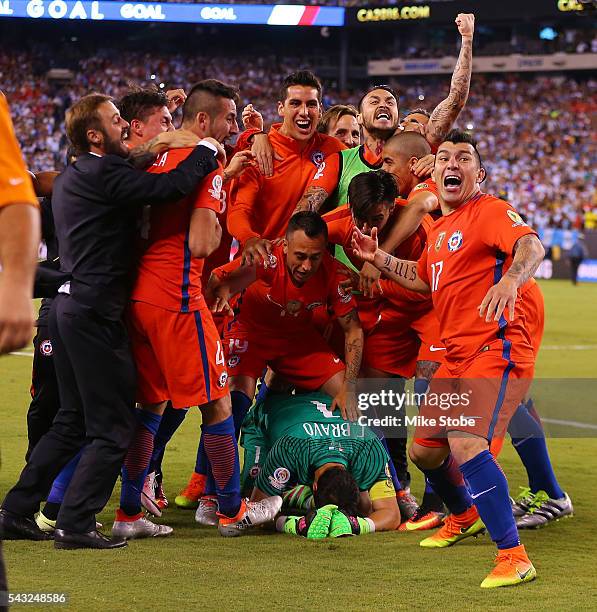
(477, 397)
(427, 329)
(304, 360)
(391, 346)
(533, 308)
(179, 356)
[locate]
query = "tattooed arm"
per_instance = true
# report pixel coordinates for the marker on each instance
(446, 112)
(528, 254)
(312, 199)
(401, 271)
(353, 349)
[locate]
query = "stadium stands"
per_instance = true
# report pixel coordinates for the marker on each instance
(546, 170)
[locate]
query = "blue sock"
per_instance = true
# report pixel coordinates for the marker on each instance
(240, 406)
(201, 461)
(488, 488)
(136, 462)
(528, 438)
(393, 474)
(61, 482)
(171, 420)
(222, 451)
(420, 387)
(262, 393)
(447, 482)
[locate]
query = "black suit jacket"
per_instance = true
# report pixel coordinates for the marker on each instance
(95, 202)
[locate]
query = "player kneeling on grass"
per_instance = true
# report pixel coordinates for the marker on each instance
(294, 440)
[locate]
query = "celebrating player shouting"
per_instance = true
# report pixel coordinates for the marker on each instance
(274, 324)
(479, 255)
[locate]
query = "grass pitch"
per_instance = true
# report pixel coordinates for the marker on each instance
(197, 569)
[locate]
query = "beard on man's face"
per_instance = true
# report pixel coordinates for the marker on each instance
(114, 146)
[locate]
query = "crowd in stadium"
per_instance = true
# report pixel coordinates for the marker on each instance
(374, 247)
(498, 113)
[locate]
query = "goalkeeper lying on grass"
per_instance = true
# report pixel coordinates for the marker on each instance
(295, 440)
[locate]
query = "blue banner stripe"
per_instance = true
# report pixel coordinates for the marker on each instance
(203, 348)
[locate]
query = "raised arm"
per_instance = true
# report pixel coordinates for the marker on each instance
(446, 112)
(400, 271)
(225, 282)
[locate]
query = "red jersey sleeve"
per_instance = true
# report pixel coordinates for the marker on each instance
(327, 174)
(340, 226)
(209, 194)
(503, 225)
(422, 267)
(242, 206)
(242, 142)
(342, 301)
(223, 271)
(425, 186)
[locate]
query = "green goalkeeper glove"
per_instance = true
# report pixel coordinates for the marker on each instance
(314, 526)
(344, 525)
(300, 497)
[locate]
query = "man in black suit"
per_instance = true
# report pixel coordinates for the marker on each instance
(95, 206)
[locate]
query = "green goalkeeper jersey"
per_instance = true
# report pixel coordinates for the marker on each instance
(300, 434)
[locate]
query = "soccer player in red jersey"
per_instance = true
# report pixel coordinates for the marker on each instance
(479, 256)
(274, 323)
(261, 206)
(177, 349)
(379, 118)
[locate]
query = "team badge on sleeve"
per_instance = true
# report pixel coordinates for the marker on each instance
(216, 187)
(516, 218)
(421, 186)
(455, 241)
(344, 295)
(45, 348)
(317, 157)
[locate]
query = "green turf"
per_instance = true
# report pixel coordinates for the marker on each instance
(197, 569)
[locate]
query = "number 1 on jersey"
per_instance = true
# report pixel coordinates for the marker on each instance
(436, 270)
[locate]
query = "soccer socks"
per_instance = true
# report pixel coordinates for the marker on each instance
(420, 387)
(222, 451)
(240, 406)
(262, 393)
(171, 420)
(528, 438)
(447, 482)
(391, 466)
(488, 489)
(59, 487)
(136, 462)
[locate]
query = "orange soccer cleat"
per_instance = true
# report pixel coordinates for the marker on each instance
(188, 498)
(455, 528)
(512, 567)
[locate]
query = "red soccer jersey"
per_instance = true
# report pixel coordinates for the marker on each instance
(468, 252)
(168, 275)
(262, 205)
(274, 303)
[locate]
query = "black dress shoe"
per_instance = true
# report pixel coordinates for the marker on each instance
(16, 527)
(91, 539)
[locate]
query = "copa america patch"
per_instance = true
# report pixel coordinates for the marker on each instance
(279, 478)
(45, 348)
(455, 241)
(216, 187)
(222, 380)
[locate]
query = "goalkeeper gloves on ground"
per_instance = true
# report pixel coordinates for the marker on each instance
(326, 522)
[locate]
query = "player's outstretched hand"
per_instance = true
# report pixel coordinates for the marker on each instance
(346, 401)
(264, 154)
(497, 299)
(424, 166)
(176, 98)
(369, 280)
(363, 246)
(466, 24)
(257, 251)
(252, 119)
(16, 318)
(237, 165)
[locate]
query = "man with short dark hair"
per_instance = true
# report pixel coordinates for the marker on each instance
(260, 206)
(480, 254)
(274, 323)
(96, 200)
